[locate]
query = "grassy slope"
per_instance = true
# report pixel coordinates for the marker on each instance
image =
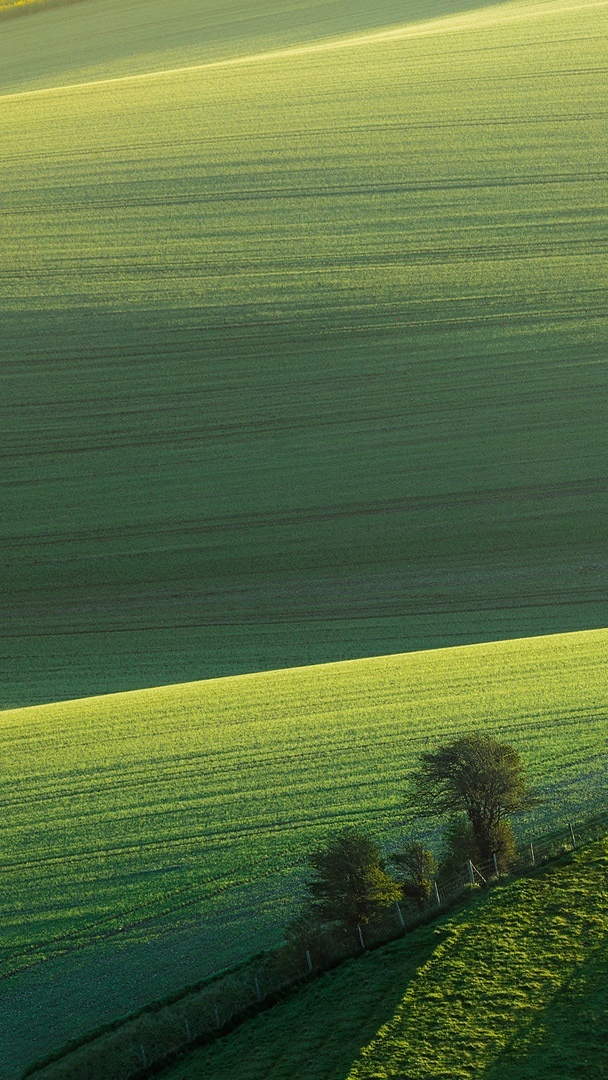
(154, 836)
(512, 988)
(111, 37)
(303, 359)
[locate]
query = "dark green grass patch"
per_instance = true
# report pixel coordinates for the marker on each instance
(511, 987)
(304, 359)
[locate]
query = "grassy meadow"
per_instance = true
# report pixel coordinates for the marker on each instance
(149, 838)
(510, 988)
(303, 355)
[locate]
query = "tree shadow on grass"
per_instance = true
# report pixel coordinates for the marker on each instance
(317, 1033)
(568, 1040)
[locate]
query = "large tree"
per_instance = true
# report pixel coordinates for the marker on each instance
(349, 884)
(481, 776)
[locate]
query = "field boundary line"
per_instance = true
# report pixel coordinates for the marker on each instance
(444, 25)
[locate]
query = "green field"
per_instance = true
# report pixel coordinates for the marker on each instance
(511, 988)
(105, 38)
(152, 837)
(303, 334)
(304, 355)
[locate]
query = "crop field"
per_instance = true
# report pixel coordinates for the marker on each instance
(303, 355)
(511, 988)
(150, 838)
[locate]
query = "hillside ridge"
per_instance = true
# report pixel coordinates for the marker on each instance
(320, 668)
(509, 11)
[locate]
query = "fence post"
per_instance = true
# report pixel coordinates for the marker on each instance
(437, 896)
(470, 870)
(532, 855)
(572, 836)
(495, 861)
(360, 932)
(308, 960)
(399, 915)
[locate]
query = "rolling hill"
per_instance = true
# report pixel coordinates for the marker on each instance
(303, 360)
(303, 350)
(150, 838)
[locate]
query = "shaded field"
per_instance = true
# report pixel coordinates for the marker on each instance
(510, 987)
(304, 358)
(153, 837)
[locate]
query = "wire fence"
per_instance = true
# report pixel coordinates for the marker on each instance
(530, 854)
(140, 1045)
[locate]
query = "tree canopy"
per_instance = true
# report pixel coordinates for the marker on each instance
(349, 884)
(480, 776)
